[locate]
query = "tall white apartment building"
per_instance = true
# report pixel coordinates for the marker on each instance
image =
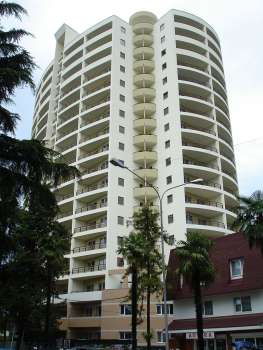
(151, 93)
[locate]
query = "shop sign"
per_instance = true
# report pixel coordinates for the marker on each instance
(207, 335)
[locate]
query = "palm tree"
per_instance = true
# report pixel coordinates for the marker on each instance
(196, 268)
(250, 218)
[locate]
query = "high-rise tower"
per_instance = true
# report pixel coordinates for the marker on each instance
(152, 94)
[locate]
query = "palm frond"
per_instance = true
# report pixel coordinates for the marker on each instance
(12, 9)
(8, 120)
(13, 35)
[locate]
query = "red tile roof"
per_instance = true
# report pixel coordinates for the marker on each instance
(225, 248)
(219, 322)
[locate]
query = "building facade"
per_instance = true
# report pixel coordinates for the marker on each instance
(232, 304)
(152, 94)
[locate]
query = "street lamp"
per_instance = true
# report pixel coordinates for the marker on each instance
(120, 164)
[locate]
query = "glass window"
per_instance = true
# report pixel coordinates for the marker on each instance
(167, 143)
(164, 80)
(122, 83)
(162, 39)
(169, 180)
(164, 66)
(166, 110)
(166, 127)
(121, 146)
(165, 95)
(122, 41)
(160, 309)
(122, 55)
(122, 98)
(168, 161)
(119, 240)
(208, 308)
(120, 262)
(169, 198)
(163, 52)
(120, 181)
(120, 220)
(123, 30)
(120, 200)
(242, 304)
(170, 218)
(162, 27)
(121, 129)
(122, 69)
(126, 309)
(125, 335)
(236, 268)
(121, 113)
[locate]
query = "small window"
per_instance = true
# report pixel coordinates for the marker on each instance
(121, 129)
(170, 198)
(122, 55)
(208, 308)
(166, 111)
(120, 181)
(126, 309)
(120, 200)
(122, 42)
(236, 268)
(165, 95)
(242, 304)
(165, 80)
(123, 30)
(122, 69)
(121, 146)
(119, 240)
(121, 113)
(169, 180)
(166, 127)
(167, 143)
(168, 161)
(162, 27)
(120, 220)
(120, 262)
(122, 83)
(160, 309)
(162, 39)
(163, 52)
(164, 66)
(170, 218)
(125, 336)
(122, 98)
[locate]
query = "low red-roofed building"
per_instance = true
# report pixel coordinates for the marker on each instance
(232, 304)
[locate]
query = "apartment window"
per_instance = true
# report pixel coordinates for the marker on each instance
(164, 66)
(120, 262)
(122, 55)
(165, 95)
(122, 98)
(189, 218)
(168, 161)
(125, 336)
(126, 309)
(169, 180)
(123, 30)
(165, 80)
(121, 113)
(166, 127)
(119, 240)
(120, 220)
(242, 304)
(122, 83)
(121, 146)
(167, 143)
(160, 309)
(170, 218)
(166, 111)
(208, 308)
(122, 41)
(161, 27)
(121, 129)
(236, 268)
(169, 198)
(122, 69)
(120, 181)
(162, 39)
(163, 52)
(160, 337)
(120, 200)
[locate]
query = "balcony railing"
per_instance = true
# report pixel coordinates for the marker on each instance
(199, 221)
(65, 196)
(91, 188)
(99, 245)
(103, 100)
(204, 183)
(195, 145)
(94, 120)
(208, 131)
(91, 268)
(207, 165)
(87, 138)
(89, 227)
(203, 202)
(91, 207)
(63, 215)
(95, 151)
(103, 86)
(93, 170)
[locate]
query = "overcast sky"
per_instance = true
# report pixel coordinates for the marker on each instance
(239, 25)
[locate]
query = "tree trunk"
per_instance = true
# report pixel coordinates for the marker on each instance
(148, 319)
(20, 335)
(134, 307)
(199, 313)
(47, 316)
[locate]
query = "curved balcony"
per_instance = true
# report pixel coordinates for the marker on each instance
(138, 208)
(142, 157)
(91, 207)
(144, 192)
(147, 140)
(142, 17)
(142, 40)
(143, 52)
(144, 109)
(143, 28)
(90, 227)
(144, 80)
(196, 134)
(202, 166)
(88, 268)
(209, 227)
(150, 174)
(144, 94)
(143, 66)
(144, 124)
